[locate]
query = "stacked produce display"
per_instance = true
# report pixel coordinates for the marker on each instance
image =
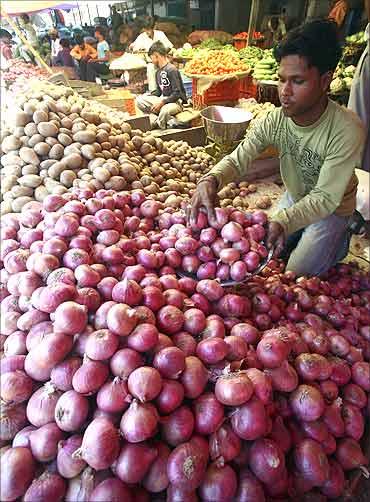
(121, 381)
(19, 72)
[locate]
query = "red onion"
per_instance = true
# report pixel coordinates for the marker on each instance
(311, 462)
(139, 422)
(334, 485)
(170, 397)
(62, 374)
(44, 442)
(71, 411)
(272, 351)
(224, 445)
(187, 464)
(121, 319)
(113, 396)
(170, 319)
(178, 427)
(41, 405)
(156, 479)
(111, 489)
(266, 461)
(208, 413)
(284, 378)
(22, 437)
(249, 488)
(350, 456)
(101, 345)
(100, 444)
(145, 383)
(70, 318)
(307, 403)
(67, 465)
(234, 305)
(233, 389)
(16, 387)
(353, 421)
(12, 420)
(90, 377)
(355, 395)
(261, 383)
(218, 484)
(194, 377)
(361, 375)
(124, 362)
(134, 461)
(18, 469)
(249, 421)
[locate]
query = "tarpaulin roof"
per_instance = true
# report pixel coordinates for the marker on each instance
(13, 8)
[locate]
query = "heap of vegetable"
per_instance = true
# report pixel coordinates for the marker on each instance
(217, 62)
(56, 140)
(265, 69)
(121, 381)
(19, 72)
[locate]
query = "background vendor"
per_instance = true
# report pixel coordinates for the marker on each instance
(320, 145)
(83, 52)
(167, 99)
(100, 64)
(143, 43)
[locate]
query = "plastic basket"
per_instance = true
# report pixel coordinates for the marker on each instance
(223, 92)
(247, 88)
(240, 43)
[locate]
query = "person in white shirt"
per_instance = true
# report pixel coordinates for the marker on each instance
(54, 44)
(148, 36)
(144, 42)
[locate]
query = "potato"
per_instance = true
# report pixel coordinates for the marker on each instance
(10, 143)
(22, 191)
(95, 163)
(47, 129)
(56, 152)
(137, 141)
(7, 182)
(67, 122)
(51, 141)
(72, 161)
(128, 171)
(84, 137)
(29, 156)
(88, 151)
(106, 145)
(12, 171)
(59, 190)
(30, 180)
(102, 136)
(56, 169)
(73, 148)
(18, 132)
(36, 138)
(78, 125)
(21, 118)
(252, 188)
(50, 184)
(116, 183)
(6, 207)
(29, 169)
(42, 149)
(64, 139)
(9, 196)
(30, 129)
(40, 193)
(102, 174)
(67, 178)
(45, 164)
(18, 203)
(29, 108)
(263, 202)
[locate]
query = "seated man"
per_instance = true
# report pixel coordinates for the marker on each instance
(99, 65)
(167, 99)
(64, 57)
(83, 52)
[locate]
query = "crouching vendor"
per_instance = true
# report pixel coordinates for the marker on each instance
(166, 100)
(320, 144)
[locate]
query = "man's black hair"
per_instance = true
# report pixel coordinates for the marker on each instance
(317, 41)
(159, 48)
(149, 23)
(100, 30)
(79, 39)
(64, 42)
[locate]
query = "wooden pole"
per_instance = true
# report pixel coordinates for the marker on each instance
(26, 43)
(253, 20)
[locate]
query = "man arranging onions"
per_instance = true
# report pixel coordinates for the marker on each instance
(320, 145)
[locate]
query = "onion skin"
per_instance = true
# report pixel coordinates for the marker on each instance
(145, 383)
(16, 387)
(170, 397)
(113, 396)
(139, 422)
(178, 427)
(249, 488)
(307, 403)
(187, 465)
(194, 377)
(44, 442)
(62, 374)
(224, 445)
(12, 420)
(124, 362)
(18, 469)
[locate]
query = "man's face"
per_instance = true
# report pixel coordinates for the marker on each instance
(98, 36)
(154, 58)
(300, 86)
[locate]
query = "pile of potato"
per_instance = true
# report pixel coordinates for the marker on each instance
(236, 195)
(55, 140)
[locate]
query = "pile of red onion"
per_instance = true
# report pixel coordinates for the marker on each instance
(122, 382)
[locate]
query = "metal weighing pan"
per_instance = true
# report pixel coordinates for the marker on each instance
(225, 125)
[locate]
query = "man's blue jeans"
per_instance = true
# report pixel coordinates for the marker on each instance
(316, 248)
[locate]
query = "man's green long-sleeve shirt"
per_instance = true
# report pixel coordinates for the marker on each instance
(317, 163)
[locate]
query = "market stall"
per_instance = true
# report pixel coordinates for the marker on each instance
(143, 359)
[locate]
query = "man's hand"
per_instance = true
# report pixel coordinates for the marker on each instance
(275, 237)
(157, 107)
(205, 196)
